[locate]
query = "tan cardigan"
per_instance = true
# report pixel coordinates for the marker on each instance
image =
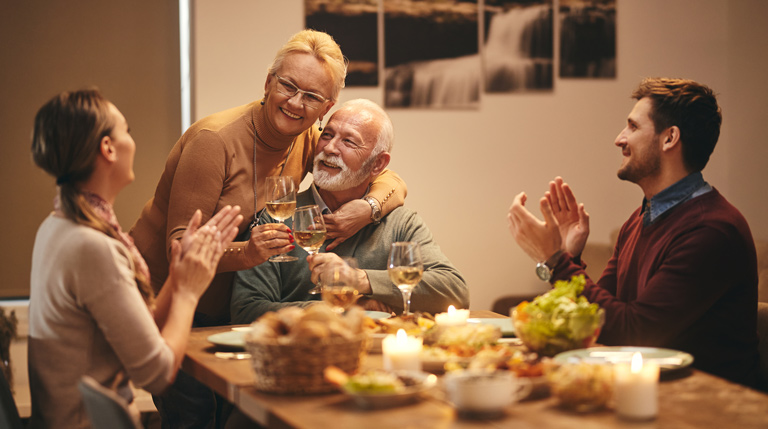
(211, 166)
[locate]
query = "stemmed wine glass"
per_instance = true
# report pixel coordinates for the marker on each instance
(339, 285)
(309, 231)
(280, 193)
(405, 269)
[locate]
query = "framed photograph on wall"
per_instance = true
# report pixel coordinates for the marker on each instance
(431, 54)
(588, 38)
(354, 24)
(518, 45)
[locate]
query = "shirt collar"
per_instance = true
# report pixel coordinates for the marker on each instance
(685, 189)
(319, 200)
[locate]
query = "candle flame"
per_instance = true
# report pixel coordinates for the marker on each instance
(402, 337)
(637, 363)
(451, 309)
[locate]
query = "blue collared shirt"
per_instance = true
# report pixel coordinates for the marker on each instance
(685, 189)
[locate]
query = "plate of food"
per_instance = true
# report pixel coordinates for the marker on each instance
(380, 388)
(667, 359)
(234, 339)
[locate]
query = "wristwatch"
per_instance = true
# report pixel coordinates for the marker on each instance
(375, 210)
(544, 268)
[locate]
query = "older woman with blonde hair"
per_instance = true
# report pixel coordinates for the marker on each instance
(91, 309)
(224, 159)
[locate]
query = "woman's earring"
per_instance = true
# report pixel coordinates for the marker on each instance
(320, 127)
(262, 101)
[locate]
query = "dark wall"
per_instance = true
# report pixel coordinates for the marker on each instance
(130, 50)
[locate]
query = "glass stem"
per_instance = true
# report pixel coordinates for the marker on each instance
(407, 301)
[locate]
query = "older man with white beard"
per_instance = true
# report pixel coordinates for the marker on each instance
(353, 149)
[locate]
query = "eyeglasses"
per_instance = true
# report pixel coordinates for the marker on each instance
(309, 99)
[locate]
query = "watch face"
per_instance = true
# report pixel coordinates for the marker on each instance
(543, 272)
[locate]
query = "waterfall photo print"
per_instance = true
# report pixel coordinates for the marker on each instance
(588, 38)
(518, 45)
(431, 56)
(354, 26)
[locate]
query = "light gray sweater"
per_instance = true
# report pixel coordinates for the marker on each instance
(273, 285)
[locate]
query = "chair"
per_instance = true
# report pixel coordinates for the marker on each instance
(762, 332)
(505, 304)
(106, 409)
(9, 414)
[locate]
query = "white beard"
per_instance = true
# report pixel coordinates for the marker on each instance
(344, 179)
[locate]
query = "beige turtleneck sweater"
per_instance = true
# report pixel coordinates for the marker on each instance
(212, 166)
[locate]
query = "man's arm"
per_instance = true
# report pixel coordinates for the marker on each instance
(441, 285)
(259, 290)
(680, 289)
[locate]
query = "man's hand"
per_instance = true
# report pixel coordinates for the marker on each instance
(346, 221)
(326, 266)
(572, 219)
(538, 239)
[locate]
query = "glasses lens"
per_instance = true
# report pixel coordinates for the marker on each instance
(309, 99)
(312, 100)
(286, 88)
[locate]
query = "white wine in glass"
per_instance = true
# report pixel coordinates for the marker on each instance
(309, 228)
(405, 269)
(280, 193)
(339, 285)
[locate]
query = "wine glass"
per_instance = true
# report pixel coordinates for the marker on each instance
(339, 285)
(405, 269)
(280, 193)
(309, 228)
(309, 232)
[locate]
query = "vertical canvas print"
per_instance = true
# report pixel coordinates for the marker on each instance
(354, 24)
(588, 38)
(431, 54)
(518, 45)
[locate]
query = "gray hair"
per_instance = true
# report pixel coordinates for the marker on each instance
(386, 137)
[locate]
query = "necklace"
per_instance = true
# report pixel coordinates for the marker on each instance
(256, 137)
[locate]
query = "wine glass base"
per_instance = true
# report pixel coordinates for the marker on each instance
(315, 290)
(283, 258)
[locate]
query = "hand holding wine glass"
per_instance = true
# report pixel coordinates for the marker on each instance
(405, 269)
(339, 284)
(280, 194)
(309, 231)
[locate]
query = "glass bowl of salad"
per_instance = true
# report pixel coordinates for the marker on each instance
(559, 320)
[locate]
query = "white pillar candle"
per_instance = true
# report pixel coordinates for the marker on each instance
(636, 388)
(453, 317)
(402, 352)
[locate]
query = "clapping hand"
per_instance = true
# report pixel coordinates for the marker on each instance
(572, 219)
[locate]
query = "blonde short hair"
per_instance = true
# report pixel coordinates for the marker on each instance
(321, 46)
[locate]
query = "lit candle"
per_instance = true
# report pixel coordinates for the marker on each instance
(453, 317)
(635, 388)
(401, 351)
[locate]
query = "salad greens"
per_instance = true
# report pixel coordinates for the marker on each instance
(374, 382)
(561, 319)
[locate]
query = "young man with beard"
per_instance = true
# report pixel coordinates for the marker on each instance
(354, 148)
(683, 274)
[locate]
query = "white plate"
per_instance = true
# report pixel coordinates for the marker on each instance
(376, 315)
(667, 359)
(231, 339)
(505, 324)
(424, 382)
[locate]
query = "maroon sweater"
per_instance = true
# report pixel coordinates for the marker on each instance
(686, 282)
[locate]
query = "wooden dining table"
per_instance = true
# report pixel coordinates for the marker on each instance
(688, 398)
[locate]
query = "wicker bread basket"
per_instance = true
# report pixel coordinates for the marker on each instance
(297, 368)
